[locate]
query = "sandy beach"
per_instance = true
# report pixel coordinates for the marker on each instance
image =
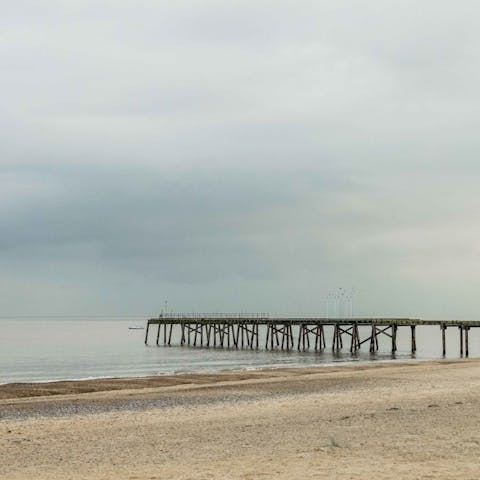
(382, 421)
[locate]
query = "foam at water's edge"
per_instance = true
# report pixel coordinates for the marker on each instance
(219, 370)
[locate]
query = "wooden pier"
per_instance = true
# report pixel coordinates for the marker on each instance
(255, 331)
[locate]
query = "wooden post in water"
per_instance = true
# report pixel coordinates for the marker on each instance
(221, 334)
(414, 341)
(214, 326)
(234, 338)
(158, 332)
(195, 336)
(336, 338)
(182, 340)
(276, 335)
(444, 343)
(170, 334)
(146, 334)
(373, 339)
(208, 331)
(394, 337)
(355, 341)
(467, 328)
(317, 337)
(461, 339)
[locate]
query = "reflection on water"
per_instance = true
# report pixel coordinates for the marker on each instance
(40, 350)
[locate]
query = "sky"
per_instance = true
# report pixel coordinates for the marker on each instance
(249, 156)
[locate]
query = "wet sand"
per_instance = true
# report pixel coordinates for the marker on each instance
(382, 421)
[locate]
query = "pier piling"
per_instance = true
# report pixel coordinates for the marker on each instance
(413, 338)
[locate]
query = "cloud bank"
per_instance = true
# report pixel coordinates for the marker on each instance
(239, 156)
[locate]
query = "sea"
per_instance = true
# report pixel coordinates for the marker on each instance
(48, 349)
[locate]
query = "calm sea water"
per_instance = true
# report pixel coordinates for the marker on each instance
(43, 350)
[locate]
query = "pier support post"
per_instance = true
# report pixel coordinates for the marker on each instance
(467, 328)
(146, 334)
(250, 335)
(182, 340)
(319, 338)
(195, 336)
(461, 339)
(221, 334)
(394, 328)
(303, 337)
(290, 338)
(414, 340)
(355, 341)
(208, 332)
(234, 338)
(337, 343)
(284, 338)
(158, 332)
(373, 339)
(444, 343)
(239, 335)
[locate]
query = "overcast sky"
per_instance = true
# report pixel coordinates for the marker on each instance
(240, 155)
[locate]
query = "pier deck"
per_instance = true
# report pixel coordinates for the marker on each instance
(286, 333)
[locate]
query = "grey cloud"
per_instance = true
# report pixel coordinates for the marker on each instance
(240, 154)
(188, 226)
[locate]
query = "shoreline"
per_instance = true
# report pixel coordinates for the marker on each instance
(86, 387)
(226, 370)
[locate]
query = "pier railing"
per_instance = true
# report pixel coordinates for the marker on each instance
(208, 316)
